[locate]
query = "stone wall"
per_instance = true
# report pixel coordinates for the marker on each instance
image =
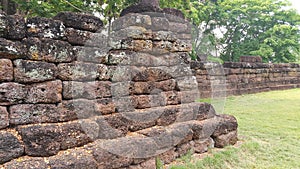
(73, 97)
(237, 78)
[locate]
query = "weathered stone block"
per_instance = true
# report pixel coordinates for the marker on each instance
(142, 7)
(153, 131)
(135, 59)
(149, 164)
(226, 139)
(134, 32)
(118, 122)
(6, 70)
(104, 130)
(164, 36)
(3, 23)
(32, 163)
(88, 90)
(184, 148)
(180, 27)
(105, 73)
(158, 74)
(168, 59)
(204, 129)
(121, 57)
(77, 159)
(168, 156)
(45, 28)
(205, 111)
(120, 89)
(167, 85)
(46, 92)
(76, 109)
(105, 106)
(135, 45)
(106, 159)
(47, 140)
(91, 54)
(251, 59)
(236, 65)
(226, 124)
(168, 116)
(132, 20)
(172, 98)
(12, 50)
(77, 37)
(157, 99)
(10, 147)
(32, 71)
(176, 71)
(182, 46)
(127, 73)
(202, 146)
(41, 140)
(4, 121)
(124, 104)
(161, 47)
(187, 83)
(142, 87)
(99, 40)
(142, 102)
(49, 50)
(80, 21)
(120, 44)
(128, 122)
(142, 45)
(195, 111)
(33, 113)
(80, 71)
(16, 28)
(12, 93)
(160, 24)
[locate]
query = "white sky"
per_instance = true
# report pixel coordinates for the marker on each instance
(296, 4)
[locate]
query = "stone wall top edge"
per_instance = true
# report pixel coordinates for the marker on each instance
(242, 65)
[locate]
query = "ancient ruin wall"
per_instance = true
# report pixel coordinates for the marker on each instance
(72, 97)
(236, 78)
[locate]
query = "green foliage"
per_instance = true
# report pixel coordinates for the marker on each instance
(112, 9)
(215, 59)
(49, 8)
(159, 164)
(260, 27)
(224, 28)
(187, 157)
(281, 44)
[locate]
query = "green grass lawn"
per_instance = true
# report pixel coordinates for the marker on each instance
(269, 133)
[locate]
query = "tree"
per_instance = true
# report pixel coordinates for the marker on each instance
(49, 8)
(281, 44)
(269, 28)
(230, 28)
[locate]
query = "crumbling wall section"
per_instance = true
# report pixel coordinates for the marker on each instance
(237, 78)
(74, 96)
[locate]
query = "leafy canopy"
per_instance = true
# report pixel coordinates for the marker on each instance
(224, 28)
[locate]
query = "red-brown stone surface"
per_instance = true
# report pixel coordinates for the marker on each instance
(6, 70)
(46, 92)
(4, 120)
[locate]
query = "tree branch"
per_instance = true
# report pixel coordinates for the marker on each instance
(73, 6)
